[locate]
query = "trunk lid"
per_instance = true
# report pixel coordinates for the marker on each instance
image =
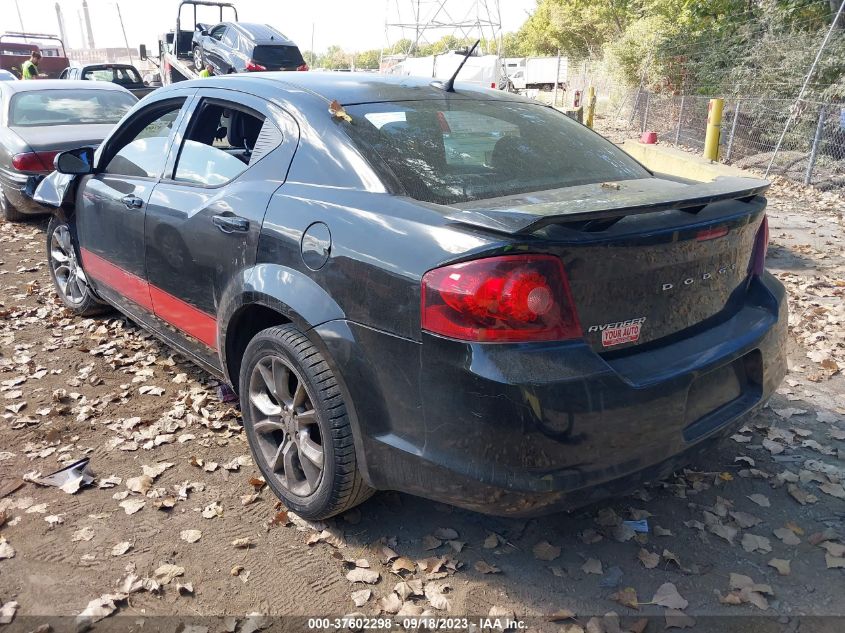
(62, 137)
(647, 260)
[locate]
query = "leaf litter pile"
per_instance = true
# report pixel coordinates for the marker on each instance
(177, 516)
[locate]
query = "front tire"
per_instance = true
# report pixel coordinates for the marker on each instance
(199, 61)
(297, 425)
(69, 279)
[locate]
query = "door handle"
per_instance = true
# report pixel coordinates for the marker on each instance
(132, 202)
(231, 224)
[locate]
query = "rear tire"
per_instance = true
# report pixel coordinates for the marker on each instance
(8, 212)
(69, 280)
(297, 425)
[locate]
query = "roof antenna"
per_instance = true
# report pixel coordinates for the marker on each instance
(449, 85)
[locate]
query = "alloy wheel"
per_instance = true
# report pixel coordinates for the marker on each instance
(198, 65)
(286, 426)
(70, 277)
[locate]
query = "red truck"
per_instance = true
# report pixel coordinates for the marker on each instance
(15, 49)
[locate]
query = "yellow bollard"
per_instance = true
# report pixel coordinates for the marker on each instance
(714, 124)
(591, 106)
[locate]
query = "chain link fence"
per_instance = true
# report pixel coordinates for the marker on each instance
(812, 151)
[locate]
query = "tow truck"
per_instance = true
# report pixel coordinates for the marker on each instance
(16, 47)
(175, 55)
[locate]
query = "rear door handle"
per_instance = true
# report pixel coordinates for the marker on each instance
(132, 202)
(231, 224)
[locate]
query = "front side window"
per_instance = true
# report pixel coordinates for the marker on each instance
(145, 154)
(217, 32)
(221, 143)
(69, 107)
(452, 151)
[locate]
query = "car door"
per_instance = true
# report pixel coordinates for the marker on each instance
(204, 218)
(212, 50)
(111, 204)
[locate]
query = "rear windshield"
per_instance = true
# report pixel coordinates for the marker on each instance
(460, 150)
(278, 56)
(120, 76)
(68, 107)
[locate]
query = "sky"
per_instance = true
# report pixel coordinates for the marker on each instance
(354, 25)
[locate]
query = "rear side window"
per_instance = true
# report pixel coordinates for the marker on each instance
(459, 150)
(278, 56)
(222, 142)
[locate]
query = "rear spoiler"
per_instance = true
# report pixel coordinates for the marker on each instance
(526, 213)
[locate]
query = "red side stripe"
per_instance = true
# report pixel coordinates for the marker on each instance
(130, 286)
(185, 316)
(178, 313)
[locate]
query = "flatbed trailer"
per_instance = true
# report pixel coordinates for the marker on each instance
(175, 54)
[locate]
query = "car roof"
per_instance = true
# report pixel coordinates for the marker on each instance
(60, 84)
(348, 88)
(261, 33)
(105, 66)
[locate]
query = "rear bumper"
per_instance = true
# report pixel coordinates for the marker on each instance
(12, 182)
(527, 429)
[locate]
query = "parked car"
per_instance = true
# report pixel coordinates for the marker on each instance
(466, 296)
(125, 75)
(39, 119)
(236, 47)
(5, 75)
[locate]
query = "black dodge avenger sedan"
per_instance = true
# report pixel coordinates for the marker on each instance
(462, 295)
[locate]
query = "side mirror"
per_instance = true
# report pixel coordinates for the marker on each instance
(204, 33)
(76, 162)
(142, 51)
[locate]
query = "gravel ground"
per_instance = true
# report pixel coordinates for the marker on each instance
(177, 522)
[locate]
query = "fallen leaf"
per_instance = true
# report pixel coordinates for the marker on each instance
(131, 506)
(403, 564)
(546, 551)
(650, 560)
(781, 565)
(212, 510)
(140, 484)
(190, 536)
(431, 542)
(166, 573)
(6, 550)
(760, 500)
(483, 567)
(667, 596)
(361, 597)
(98, 609)
(391, 603)
(834, 562)
(744, 519)
(434, 593)
(492, 541)
(83, 534)
(592, 566)
(360, 574)
(7, 613)
(242, 543)
(561, 614)
(754, 543)
(787, 536)
(121, 548)
(627, 597)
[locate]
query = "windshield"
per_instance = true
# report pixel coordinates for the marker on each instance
(69, 107)
(460, 150)
(278, 56)
(121, 76)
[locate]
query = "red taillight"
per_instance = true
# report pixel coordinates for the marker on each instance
(303, 67)
(757, 265)
(510, 298)
(34, 161)
(252, 66)
(711, 234)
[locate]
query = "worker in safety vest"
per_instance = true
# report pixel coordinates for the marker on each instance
(207, 71)
(29, 69)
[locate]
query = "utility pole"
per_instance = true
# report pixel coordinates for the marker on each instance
(312, 45)
(122, 28)
(20, 19)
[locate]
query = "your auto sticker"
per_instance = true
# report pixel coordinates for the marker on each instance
(619, 332)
